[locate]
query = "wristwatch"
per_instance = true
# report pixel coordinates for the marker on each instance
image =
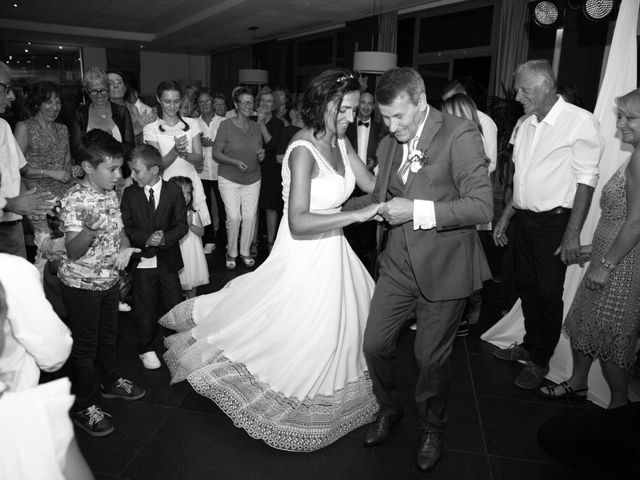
(607, 264)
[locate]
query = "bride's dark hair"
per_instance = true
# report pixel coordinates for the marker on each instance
(330, 85)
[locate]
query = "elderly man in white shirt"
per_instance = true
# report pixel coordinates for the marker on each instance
(556, 151)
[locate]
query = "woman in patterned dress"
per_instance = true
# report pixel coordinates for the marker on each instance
(45, 143)
(604, 319)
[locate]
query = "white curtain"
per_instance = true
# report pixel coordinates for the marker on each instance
(619, 78)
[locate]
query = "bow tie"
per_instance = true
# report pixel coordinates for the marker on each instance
(364, 124)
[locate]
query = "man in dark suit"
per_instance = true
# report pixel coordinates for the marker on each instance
(364, 132)
(154, 214)
(433, 176)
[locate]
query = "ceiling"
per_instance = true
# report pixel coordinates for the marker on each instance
(181, 26)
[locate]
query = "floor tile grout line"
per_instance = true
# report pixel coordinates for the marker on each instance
(477, 404)
(142, 447)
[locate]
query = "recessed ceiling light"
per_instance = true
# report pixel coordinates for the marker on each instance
(28, 61)
(55, 58)
(15, 5)
(26, 50)
(60, 47)
(28, 43)
(48, 66)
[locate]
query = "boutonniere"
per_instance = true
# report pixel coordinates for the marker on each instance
(418, 159)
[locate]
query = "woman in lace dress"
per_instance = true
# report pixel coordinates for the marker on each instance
(604, 319)
(45, 142)
(280, 349)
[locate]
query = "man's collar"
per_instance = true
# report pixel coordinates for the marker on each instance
(552, 115)
(156, 186)
(422, 124)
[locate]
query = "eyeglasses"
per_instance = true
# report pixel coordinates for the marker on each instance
(95, 93)
(245, 103)
(7, 87)
(115, 82)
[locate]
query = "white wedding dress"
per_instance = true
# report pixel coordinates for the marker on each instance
(280, 349)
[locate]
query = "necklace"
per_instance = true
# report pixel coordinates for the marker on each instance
(107, 112)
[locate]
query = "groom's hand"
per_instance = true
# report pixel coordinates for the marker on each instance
(397, 210)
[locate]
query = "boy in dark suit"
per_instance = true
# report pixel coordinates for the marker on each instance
(155, 219)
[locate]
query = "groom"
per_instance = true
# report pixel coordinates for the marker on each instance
(433, 176)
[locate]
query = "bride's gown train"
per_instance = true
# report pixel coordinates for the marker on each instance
(280, 349)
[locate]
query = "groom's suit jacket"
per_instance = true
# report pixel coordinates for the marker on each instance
(448, 261)
(170, 216)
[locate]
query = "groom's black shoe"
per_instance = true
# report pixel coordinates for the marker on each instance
(379, 430)
(429, 450)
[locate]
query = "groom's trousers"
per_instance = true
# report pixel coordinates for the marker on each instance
(395, 299)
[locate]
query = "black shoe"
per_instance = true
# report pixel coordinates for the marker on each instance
(514, 353)
(122, 388)
(429, 450)
(94, 421)
(379, 430)
(531, 376)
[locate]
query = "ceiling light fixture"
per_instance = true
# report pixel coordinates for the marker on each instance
(253, 76)
(373, 61)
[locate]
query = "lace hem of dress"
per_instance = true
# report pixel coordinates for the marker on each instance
(283, 422)
(606, 354)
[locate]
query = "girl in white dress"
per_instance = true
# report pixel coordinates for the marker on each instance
(280, 349)
(178, 140)
(195, 271)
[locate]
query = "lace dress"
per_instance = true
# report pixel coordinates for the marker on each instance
(280, 349)
(45, 151)
(605, 323)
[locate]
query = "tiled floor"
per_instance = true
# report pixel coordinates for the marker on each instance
(173, 433)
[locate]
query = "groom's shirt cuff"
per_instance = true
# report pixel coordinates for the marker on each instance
(424, 215)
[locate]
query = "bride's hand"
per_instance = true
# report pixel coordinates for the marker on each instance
(369, 212)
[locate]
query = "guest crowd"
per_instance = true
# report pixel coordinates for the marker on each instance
(125, 203)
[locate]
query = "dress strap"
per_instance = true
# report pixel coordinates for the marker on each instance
(320, 160)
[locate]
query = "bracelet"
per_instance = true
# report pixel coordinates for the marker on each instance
(607, 264)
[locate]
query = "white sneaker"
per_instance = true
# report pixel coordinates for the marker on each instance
(209, 248)
(150, 360)
(124, 307)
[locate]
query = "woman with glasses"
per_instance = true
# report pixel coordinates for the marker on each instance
(238, 150)
(45, 142)
(117, 93)
(101, 113)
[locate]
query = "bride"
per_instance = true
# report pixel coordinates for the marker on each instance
(280, 349)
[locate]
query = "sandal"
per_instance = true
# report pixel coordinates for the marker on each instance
(230, 262)
(562, 390)
(248, 261)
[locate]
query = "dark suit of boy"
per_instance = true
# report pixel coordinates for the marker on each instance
(160, 286)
